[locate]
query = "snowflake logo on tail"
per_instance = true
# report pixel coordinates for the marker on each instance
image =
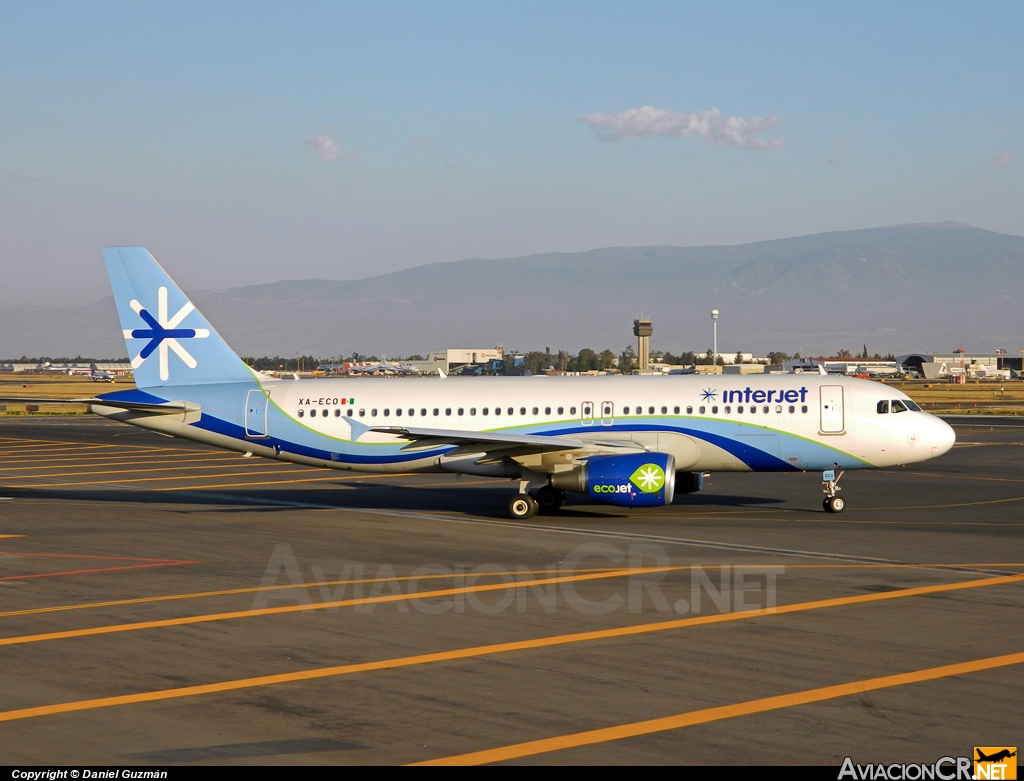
(163, 334)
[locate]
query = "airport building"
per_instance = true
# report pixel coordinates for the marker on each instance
(457, 358)
(116, 368)
(933, 366)
(854, 367)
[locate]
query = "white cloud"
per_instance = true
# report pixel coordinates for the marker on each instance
(840, 156)
(709, 125)
(325, 148)
(1002, 159)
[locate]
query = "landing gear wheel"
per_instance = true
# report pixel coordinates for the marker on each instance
(550, 499)
(835, 504)
(522, 506)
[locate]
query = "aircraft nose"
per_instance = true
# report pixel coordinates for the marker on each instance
(943, 437)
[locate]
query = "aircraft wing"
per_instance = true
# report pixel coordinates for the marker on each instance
(480, 441)
(141, 406)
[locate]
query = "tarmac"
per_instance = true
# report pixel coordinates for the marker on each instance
(165, 603)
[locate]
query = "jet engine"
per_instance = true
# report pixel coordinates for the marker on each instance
(634, 480)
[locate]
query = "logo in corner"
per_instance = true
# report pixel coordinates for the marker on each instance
(709, 394)
(995, 762)
(648, 478)
(163, 334)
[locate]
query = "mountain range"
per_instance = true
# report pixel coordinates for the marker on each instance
(924, 287)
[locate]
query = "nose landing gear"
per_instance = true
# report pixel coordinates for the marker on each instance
(832, 503)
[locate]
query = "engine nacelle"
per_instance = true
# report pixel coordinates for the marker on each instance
(634, 480)
(689, 482)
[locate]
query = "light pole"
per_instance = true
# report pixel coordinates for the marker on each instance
(714, 334)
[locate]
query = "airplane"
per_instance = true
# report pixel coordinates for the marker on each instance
(383, 366)
(997, 757)
(98, 375)
(630, 441)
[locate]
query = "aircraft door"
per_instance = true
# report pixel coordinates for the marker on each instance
(587, 413)
(832, 421)
(256, 403)
(607, 413)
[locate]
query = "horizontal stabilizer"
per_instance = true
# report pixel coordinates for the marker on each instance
(141, 406)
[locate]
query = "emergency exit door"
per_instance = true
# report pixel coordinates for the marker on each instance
(832, 421)
(256, 403)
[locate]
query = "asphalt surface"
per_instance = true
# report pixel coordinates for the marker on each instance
(162, 602)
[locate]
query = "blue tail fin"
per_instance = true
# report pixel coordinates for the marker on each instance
(169, 341)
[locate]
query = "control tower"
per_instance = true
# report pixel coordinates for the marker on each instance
(642, 330)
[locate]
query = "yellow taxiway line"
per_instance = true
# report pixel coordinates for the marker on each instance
(707, 715)
(272, 611)
(484, 650)
(262, 589)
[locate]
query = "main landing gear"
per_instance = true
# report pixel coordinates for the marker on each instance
(547, 500)
(535, 495)
(523, 506)
(832, 503)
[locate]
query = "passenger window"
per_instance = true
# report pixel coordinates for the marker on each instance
(803, 408)
(448, 411)
(423, 412)
(373, 413)
(625, 410)
(362, 413)
(522, 410)
(534, 410)
(561, 410)
(898, 406)
(675, 410)
(650, 410)
(701, 410)
(412, 412)
(337, 413)
(883, 407)
(689, 410)
(301, 413)
(792, 409)
(349, 412)
(778, 408)
(312, 413)
(387, 412)
(753, 409)
(714, 410)
(485, 410)
(460, 410)
(765, 409)
(436, 411)
(572, 410)
(472, 410)
(511, 411)
(398, 412)
(497, 410)
(728, 410)
(547, 410)
(664, 410)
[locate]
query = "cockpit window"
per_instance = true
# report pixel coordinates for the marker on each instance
(898, 406)
(883, 407)
(912, 405)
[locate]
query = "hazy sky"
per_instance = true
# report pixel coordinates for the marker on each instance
(246, 142)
